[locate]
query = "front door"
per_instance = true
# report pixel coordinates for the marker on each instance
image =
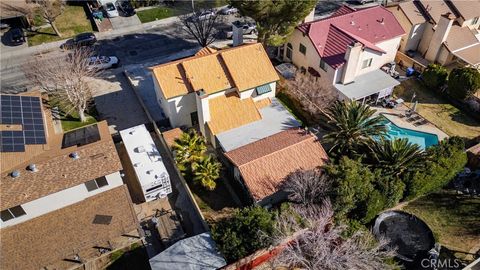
(194, 118)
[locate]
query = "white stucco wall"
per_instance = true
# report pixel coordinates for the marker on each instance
(379, 59)
(468, 23)
(61, 199)
(426, 38)
(179, 109)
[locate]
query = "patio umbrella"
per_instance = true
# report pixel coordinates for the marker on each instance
(415, 106)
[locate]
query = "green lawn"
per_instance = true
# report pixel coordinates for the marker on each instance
(158, 13)
(454, 219)
(68, 117)
(72, 21)
(438, 110)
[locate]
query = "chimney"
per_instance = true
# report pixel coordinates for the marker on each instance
(352, 57)
(440, 35)
(310, 16)
(203, 109)
(237, 33)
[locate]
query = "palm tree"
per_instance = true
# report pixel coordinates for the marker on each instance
(352, 126)
(395, 157)
(206, 171)
(189, 149)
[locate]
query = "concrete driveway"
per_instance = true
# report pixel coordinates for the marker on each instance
(121, 22)
(116, 102)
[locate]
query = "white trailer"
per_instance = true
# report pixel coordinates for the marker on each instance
(147, 163)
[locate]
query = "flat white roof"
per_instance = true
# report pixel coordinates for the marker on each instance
(144, 155)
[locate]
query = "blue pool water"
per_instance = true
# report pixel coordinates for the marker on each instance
(423, 139)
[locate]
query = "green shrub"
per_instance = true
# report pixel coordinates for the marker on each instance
(447, 159)
(463, 82)
(247, 231)
(435, 76)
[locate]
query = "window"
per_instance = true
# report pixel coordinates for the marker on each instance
(367, 63)
(263, 89)
(475, 20)
(323, 65)
(96, 184)
(302, 49)
(11, 213)
(289, 51)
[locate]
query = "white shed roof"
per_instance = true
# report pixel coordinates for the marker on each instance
(367, 84)
(143, 153)
(194, 253)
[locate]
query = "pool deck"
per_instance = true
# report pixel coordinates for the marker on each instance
(396, 116)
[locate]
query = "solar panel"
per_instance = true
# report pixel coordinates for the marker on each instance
(25, 111)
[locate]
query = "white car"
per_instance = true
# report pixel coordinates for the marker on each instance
(111, 10)
(103, 62)
(228, 10)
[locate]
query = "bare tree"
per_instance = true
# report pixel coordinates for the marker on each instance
(312, 95)
(307, 187)
(318, 243)
(201, 27)
(50, 10)
(66, 80)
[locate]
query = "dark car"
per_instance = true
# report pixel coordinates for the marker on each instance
(83, 39)
(16, 36)
(126, 8)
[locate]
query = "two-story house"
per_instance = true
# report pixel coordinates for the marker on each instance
(63, 201)
(228, 94)
(346, 50)
(444, 31)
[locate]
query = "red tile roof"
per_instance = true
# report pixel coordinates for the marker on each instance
(265, 163)
(369, 26)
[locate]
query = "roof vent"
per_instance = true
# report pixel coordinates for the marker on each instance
(382, 20)
(352, 22)
(149, 171)
(138, 164)
(32, 167)
(131, 132)
(140, 149)
(74, 155)
(15, 174)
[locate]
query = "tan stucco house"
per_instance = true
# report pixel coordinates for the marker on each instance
(228, 94)
(346, 51)
(441, 31)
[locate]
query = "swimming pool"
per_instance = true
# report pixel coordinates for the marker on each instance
(423, 139)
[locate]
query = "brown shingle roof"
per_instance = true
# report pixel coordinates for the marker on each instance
(460, 37)
(435, 8)
(412, 12)
(248, 65)
(264, 164)
(58, 172)
(467, 9)
(229, 111)
(57, 235)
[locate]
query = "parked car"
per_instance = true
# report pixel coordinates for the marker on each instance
(204, 15)
(111, 10)
(16, 36)
(103, 62)
(362, 2)
(248, 29)
(83, 39)
(228, 10)
(125, 7)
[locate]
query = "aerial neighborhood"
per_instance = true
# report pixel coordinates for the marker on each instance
(240, 134)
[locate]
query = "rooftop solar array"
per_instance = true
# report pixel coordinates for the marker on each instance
(25, 111)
